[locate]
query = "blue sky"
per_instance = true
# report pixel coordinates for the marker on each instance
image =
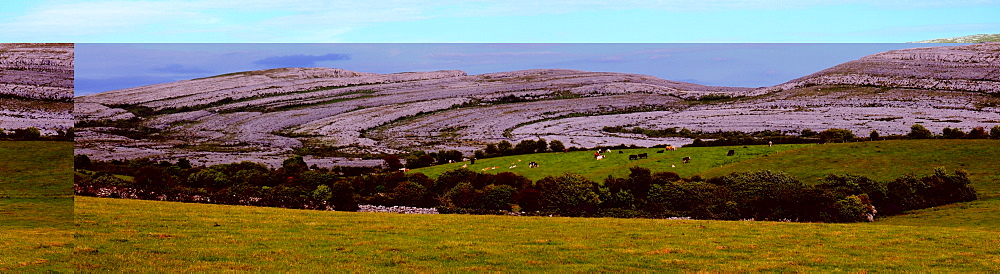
(512, 21)
(103, 67)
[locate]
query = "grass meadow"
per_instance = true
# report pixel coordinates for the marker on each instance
(134, 235)
(36, 206)
(615, 164)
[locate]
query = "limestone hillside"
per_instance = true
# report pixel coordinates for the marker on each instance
(266, 115)
(36, 86)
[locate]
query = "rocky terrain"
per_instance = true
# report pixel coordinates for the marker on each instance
(266, 115)
(36, 86)
(975, 38)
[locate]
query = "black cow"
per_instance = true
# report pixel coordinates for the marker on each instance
(621, 152)
(633, 157)
(731, 152)
(660, 151)
(686, 160)
(643, 156)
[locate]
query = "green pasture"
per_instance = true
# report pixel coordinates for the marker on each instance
(36, 169)
(615, 163)
(881, 160)
(134, 235)
(36, 206)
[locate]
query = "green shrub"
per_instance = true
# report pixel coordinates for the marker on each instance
(569, 195)
(918, 131)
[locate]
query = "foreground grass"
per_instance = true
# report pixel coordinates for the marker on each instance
(133, 235)
(616, 164)
(36, 206)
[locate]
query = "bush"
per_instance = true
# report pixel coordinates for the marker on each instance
(764, 194)
(918, 131)
(836, 135)
(978, 133)
(558, 146)
(497, 197)
(569, 195)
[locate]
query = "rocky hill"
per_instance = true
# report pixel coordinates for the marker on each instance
(266, 115)
(36, 86)
(976, 38)
(965, 68)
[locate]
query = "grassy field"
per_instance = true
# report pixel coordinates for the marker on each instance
(32, 169)
(133, 235)
(615, 164)
(36, 206)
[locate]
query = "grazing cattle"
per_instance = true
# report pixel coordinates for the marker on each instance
(465, 166)
(599, 157)
(686, 160)
(621, 152)
(731, 153)
(671, 148)
(643, 156)
(633, 157)
(512, 167)
(532, 165)
(659, 151)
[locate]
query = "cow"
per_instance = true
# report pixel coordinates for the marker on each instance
(686, 160)
(621, 152)
(532, 165)
(659, 151)
(731, 152)
(643, 156)
(633, 157)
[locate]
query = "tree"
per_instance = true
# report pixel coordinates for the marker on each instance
(418, 159)
(541, 146)
(446, 156)
(392, 162)
(81, 162)
(995, 132)
(294, 165)
(952, 133)
(491, 151)
(873, 136)
(497, 197)
(27, 134)
(978, 133)
(557, 146)
(569, 194)
(525, 147)
(807, 133)
(836, 135)
(183, 163)
(407, 194)
(918, 131)
(505, 148)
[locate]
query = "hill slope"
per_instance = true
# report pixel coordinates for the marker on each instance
(264, 115)
(36, 86)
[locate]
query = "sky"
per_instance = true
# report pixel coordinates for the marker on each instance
(109, 66)
(511, 21)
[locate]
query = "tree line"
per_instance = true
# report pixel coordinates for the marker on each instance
(758, 195)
